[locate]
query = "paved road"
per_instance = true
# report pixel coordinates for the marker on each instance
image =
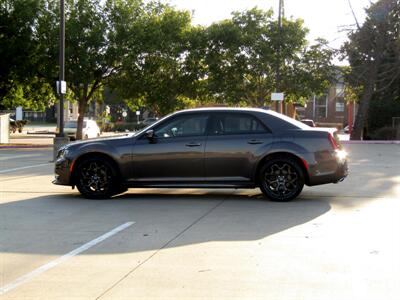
(334, 242)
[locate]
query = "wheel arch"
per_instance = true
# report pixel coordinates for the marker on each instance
(281, 154)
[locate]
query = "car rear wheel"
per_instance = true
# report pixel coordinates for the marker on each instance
(281, 179)
(96, 178)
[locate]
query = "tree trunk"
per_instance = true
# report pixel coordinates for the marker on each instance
(82, 111)
(362, 113)
(83, 101)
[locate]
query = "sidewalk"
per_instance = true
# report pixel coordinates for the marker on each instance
(38, 137)
(24, 140)
(40, 128)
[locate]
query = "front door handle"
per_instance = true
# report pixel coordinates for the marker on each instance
(193, 144)
(254, 142)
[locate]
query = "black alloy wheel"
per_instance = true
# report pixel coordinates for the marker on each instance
(97, 179)
(281, 179)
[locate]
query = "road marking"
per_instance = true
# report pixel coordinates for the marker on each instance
(23, 168)
(27, 277)
(20, 156)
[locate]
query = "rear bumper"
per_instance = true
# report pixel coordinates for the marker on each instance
(336, 170)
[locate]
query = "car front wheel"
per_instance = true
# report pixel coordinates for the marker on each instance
(281, 179)
(96, 178)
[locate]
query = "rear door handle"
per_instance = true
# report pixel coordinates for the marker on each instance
(193, 144)
(254, 142)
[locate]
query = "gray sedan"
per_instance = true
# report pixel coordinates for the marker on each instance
(207, 148)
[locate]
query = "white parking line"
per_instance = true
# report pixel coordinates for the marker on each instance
(20, 156)
(23, 168)
(27, 277)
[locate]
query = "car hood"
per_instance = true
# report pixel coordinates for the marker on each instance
(102, 140)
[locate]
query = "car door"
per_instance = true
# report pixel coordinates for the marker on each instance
(176, 154)
(234, 144)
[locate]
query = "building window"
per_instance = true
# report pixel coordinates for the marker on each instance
(339, 104)
(339, 89)
(321, 107)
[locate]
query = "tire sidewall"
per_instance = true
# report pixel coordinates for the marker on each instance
(265, 189)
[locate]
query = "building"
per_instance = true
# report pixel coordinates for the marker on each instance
(330, 109)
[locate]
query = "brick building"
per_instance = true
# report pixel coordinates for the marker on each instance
(330, 109)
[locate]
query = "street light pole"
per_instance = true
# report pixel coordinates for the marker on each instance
(278, 64)
(60, 139)
(62, 67)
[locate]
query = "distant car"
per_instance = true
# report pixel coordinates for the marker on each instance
(207, 148)
(149, 121)
(308, 122)
(90, 129)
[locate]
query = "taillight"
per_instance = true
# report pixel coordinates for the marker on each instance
(333, 142)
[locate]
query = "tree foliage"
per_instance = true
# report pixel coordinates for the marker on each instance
(245, 53)
(19, 83)
(373, 51)
(91, 55)
(149, 54)
(154, 67)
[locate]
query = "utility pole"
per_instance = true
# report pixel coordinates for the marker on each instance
(60, 139)
(62, 67)
(278, 64)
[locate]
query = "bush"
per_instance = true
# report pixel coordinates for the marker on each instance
(17, 125)
(384, 133)
(122, 127)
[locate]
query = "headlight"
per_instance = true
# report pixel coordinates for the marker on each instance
(62, 153)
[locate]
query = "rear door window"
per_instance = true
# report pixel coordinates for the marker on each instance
(232, 123)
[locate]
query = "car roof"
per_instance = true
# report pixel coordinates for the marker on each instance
(208, 109)
(272, 114)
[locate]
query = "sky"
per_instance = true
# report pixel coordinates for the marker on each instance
(324, 18)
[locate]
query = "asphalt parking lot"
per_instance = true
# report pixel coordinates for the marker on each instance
(334, 242)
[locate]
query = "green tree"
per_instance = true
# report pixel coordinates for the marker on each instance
(20, 84)
(244, 53)
(154, 71)
(92, 53)
(373, 51)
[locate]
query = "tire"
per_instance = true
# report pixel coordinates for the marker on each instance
(96, 178)
(281, 179)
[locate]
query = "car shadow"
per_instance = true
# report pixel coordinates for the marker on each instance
(58, 223)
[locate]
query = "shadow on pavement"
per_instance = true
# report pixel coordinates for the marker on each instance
(56, 224)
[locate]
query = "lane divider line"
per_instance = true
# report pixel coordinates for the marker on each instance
(27, 277)
(23, 168)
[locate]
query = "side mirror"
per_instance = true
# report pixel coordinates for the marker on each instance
(150, 135)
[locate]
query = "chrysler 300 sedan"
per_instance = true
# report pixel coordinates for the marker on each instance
(207, 148)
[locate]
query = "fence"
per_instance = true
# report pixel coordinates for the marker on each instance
(396, 125)
(31, 116)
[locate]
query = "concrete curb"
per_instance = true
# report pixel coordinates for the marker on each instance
(371, 142)
(24, 146)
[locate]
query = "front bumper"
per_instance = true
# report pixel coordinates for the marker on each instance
(62, 170)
